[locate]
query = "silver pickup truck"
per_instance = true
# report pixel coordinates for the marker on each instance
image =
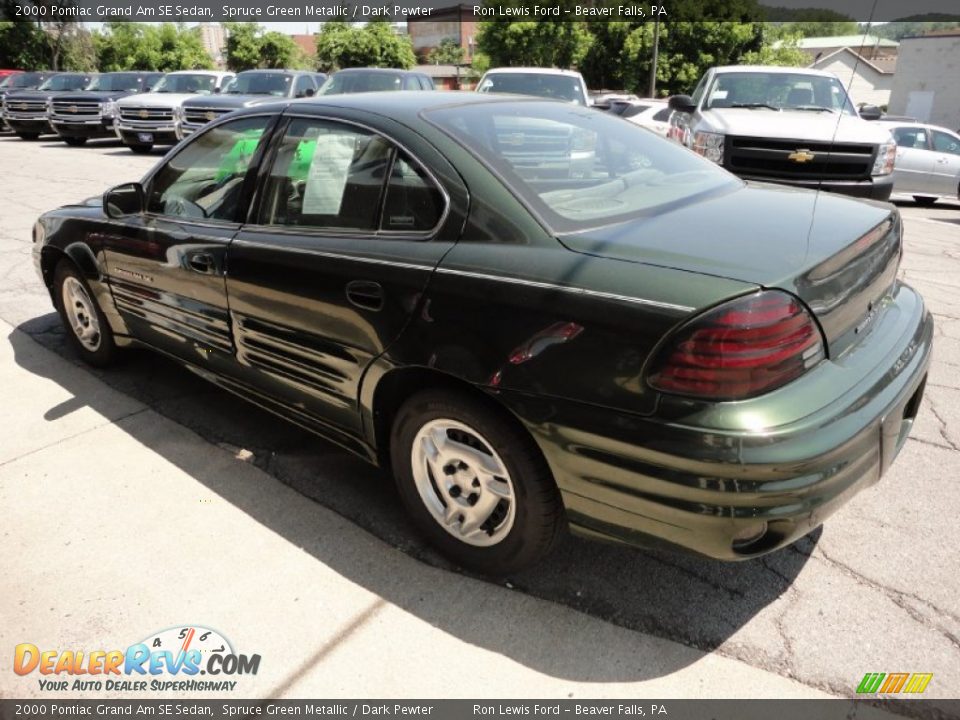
(793, 126)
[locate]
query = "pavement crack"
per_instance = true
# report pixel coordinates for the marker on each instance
(943, 425)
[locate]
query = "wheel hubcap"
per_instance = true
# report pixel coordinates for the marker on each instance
(81, 314)
(463, 483)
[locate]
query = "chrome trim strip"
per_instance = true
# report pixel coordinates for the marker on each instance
(568, 289)
(329, 255)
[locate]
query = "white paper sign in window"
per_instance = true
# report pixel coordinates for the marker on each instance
(329, 169)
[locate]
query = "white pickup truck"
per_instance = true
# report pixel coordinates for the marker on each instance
(794, 126)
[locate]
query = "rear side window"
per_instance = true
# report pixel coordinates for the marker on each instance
(413, 202)
(337, 176)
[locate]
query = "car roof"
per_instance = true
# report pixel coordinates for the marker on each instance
(392, 71)
(914, 123)
(406, 105)
(537, 70)
(217, 73)
(773, 70)
(265, 71)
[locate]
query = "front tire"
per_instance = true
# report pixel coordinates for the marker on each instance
(75, 141)
(924, 201)
(474, 483)
(86, 326)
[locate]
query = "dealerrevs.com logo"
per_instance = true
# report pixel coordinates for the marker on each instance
(169, 660)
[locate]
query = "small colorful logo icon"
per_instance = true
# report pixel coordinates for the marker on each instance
(890, 683)
(801, 156)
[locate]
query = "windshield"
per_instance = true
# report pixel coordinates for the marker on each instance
(113, 82)
(260, 84)
(778, 91)
(358, 82)
(556, 87)
(194, 83)
(578, 168)
(66, 82)
(21, 80)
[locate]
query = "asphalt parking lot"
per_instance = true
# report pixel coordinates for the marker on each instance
(876, 590)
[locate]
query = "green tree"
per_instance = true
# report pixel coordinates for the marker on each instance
(778, 49)
(22, 44)
(243, 45)
(178, 47)
(278, 51)
(79, 51)
(448, 52)
(342, 45)
(912, 28)
(536, 43)
(814, 28)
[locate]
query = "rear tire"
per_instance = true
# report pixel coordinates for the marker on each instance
(474, 483)
(75, 141)
(141, 149)
(924, 201)
(86, 325)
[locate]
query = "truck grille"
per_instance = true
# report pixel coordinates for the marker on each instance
(764, 157)
(75, 110)
(201, 116)
(143, 114)
(27, 108)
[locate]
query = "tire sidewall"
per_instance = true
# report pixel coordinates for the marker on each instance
(510, 552)
(106, 352)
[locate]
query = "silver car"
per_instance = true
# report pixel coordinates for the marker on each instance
(928, 162)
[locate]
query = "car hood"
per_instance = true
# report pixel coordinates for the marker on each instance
(787, 124)
(802, 241)
(88, 95)
(231, 102)
(161, 100)
(32, 94)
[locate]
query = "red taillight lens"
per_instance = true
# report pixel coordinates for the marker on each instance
(744, 348)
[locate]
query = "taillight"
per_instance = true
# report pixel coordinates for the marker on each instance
(743, 348)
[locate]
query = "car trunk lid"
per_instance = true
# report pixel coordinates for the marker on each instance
(839, 255)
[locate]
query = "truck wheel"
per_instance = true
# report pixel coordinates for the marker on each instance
(75, 141)
(141, 149)
(474, 482)
(28, 136)
(923, 200)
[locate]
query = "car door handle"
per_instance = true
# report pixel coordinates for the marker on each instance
(201, 262)
(365, 294)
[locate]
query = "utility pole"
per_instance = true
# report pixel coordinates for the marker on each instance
(653, 64)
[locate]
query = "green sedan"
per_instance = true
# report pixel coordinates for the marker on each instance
(534, 316)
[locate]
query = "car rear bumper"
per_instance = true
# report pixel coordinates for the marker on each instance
(698, 488)
(877, 188)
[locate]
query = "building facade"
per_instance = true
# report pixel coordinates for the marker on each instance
(926, 85)
(866, 82)
(457, 22)
(214, 39)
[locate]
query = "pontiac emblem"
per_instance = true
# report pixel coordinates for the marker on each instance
(144, 114)
(801, 156)
(211, 116)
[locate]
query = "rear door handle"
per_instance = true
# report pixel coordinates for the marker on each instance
(365, 294)
(201, 262)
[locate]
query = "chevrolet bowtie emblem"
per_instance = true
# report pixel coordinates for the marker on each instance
(73, 108)
(211, 116)
(23, 106)
(801, 156)
(144, 114)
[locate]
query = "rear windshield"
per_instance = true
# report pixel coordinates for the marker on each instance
(66, 82)
(556, 87)
(114, 82)
(576, 167)
(260, 84)
(359, 82)
(194, 83)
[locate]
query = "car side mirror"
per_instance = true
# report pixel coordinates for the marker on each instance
(682, 103)
(124, 200)
(310, 92)
(870, 112)
(217, 90)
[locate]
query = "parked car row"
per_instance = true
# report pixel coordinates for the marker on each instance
(144, 109)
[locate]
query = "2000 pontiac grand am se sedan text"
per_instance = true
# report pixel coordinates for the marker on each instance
(536, 315)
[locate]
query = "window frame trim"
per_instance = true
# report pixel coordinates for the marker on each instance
(253, 216)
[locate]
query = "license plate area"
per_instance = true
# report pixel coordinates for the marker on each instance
(145, 137)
